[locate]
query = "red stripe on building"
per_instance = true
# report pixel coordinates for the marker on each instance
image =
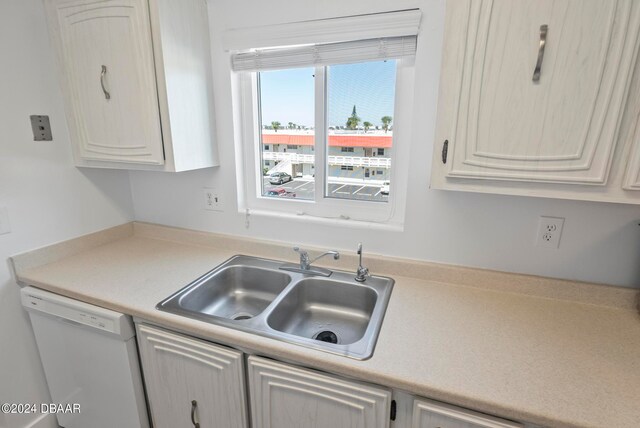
(382, 141)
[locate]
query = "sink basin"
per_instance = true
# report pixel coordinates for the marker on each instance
(340, 310)
(335, 314)
(235, 292)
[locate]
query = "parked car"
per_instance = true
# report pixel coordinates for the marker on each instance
(279, 178)
(385, 187)
(280, 192)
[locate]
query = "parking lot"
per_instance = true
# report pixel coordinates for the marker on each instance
(304, 188)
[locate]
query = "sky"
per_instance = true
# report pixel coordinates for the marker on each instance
(288, 95)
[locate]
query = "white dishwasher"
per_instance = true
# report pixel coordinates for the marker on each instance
(90, 360)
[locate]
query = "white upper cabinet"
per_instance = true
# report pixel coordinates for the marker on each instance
(136, 77)
(632, 175)
(503, 121)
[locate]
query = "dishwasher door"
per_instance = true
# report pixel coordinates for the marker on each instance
(90, 359)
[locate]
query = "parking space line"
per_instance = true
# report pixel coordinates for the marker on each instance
(359, 189)
(378, 193)
(302, 185)
(338, 188)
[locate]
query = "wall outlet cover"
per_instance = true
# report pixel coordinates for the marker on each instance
(549, 231)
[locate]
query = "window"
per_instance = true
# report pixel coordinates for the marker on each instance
(381, 152)
(266, 147)
(347, 107)
(288, 96)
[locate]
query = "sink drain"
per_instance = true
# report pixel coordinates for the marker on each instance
(241, 316)
(327, 336)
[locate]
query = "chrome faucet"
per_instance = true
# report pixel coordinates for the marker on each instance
(305, 263)
(362, 272)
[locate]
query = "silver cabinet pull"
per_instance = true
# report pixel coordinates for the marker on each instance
(107, 95)
(543, 42)
(194, 405)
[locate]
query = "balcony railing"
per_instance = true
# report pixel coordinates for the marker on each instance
(374, 162)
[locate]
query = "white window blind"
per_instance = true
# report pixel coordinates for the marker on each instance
(325, 54)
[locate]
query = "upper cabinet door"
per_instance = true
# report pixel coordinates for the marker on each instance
(501, 122)
(107, 60)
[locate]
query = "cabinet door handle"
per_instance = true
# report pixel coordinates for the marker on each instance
(543, 41)
(107, 95)
(194, 405)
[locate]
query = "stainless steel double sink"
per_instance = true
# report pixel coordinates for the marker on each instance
(335, 314)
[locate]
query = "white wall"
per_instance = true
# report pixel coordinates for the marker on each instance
(47, 198)
(600, 243)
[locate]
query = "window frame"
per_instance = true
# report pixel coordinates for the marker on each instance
(250, 198)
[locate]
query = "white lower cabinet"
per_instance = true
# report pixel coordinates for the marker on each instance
(284, 396)
(431, 414)
(194, 383)
(190, 381)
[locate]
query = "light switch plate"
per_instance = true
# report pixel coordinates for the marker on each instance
(41, 128)
(5, 227)
(212, 200)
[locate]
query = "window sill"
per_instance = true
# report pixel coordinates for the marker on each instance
(341, 222)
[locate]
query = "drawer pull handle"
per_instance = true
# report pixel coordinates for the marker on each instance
(107, 95)
(543, 41)
(194, 405)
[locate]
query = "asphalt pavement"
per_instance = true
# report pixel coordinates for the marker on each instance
(304, 189)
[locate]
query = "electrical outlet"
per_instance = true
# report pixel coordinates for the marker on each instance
(549, 231)
(212, 201)
(4, 221)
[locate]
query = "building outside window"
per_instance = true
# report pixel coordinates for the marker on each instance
(352, 140)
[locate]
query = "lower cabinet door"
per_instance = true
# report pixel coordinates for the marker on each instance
(284, 396)
(191, 381)
(431, 414)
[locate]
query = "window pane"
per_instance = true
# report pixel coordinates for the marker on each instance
(360, 104)
(287, 133)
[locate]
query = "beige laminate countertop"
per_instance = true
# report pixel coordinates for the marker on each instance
(549, 361)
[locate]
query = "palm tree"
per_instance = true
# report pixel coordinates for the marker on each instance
(367, 125)
(291, 125)
(353, 120)
(386, 121)
(275, 125)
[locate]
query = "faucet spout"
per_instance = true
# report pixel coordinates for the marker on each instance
(335, 254)
(306, 261)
